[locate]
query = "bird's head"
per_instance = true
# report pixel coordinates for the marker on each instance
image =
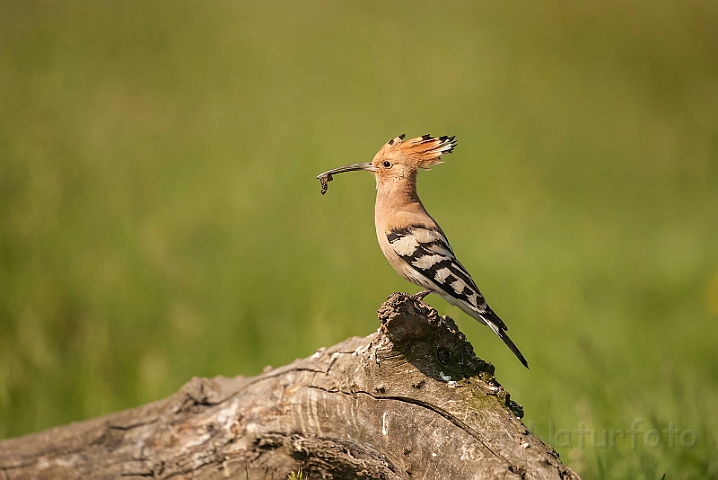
(399, 159)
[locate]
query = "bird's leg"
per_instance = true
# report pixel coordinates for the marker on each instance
(420, 296)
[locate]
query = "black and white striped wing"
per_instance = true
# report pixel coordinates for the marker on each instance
(427, 251)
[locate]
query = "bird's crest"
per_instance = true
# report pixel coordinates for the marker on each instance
(422, 152)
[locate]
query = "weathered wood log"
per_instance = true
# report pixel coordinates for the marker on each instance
(410, 401)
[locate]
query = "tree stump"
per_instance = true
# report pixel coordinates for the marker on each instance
(409, 401)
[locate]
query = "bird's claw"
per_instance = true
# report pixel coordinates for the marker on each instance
(420, 296)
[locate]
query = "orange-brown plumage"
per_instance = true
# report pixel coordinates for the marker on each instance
(420, 152)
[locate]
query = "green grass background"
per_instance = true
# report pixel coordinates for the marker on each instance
(159, 215)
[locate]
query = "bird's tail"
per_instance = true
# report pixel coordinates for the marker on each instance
(501, 332)
(487, 316)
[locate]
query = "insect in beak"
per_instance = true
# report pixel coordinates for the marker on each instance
(326, 177)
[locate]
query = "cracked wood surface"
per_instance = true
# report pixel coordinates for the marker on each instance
(410, 401)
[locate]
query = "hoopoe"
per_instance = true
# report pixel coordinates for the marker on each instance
(410, 238)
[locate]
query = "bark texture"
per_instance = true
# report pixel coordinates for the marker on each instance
(410, 401)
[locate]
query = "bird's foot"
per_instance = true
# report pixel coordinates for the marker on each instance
(420, 296)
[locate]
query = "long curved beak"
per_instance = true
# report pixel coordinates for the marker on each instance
(326, 177)
(351, 168)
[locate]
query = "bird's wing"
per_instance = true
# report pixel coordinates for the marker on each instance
(426, 250)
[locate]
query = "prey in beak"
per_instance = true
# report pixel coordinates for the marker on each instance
(326, 177)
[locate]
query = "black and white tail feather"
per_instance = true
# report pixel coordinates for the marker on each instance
(430, 262)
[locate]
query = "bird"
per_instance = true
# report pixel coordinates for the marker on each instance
(410, 239)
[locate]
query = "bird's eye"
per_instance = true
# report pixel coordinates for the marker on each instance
(386, 164)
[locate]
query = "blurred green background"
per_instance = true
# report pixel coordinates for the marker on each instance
(160, 216)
